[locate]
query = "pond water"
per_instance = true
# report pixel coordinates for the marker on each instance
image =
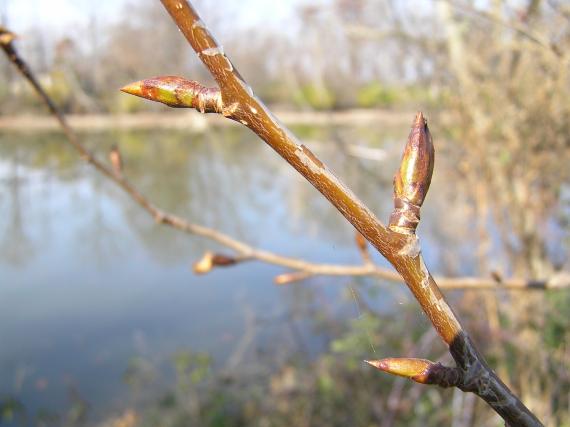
(88, 281)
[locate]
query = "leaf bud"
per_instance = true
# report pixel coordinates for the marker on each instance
(412, 180)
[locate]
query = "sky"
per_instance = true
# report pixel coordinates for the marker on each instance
(58, 15)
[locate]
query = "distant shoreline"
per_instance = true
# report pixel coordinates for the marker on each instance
(192, 121)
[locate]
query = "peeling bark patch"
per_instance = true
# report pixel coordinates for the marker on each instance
(309, 159)
(213, 51)
(424, 268)
(412, 249)
(230, 109)
(229, 65)
(449, 313)
(507, 402)
(199, 24)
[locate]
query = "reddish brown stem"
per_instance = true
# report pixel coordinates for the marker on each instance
(401, 249)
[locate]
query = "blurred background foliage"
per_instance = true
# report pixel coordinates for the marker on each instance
(494, 79)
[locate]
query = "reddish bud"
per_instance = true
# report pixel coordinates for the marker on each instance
(362, 245)
(6, 36)
(205, 264)
(116, 161)
(412, 181)
(414, 369)
(421, 371)
(177, 92)
(286, 278)
(221, 260)
(210, 260)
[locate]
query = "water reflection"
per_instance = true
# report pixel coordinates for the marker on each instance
(90, 285)
(88, 281)
(15, 246)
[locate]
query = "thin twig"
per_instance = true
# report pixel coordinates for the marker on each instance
(518, 28)
(246, 251)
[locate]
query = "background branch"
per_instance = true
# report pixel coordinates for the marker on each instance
(242, 249)
(518, 28)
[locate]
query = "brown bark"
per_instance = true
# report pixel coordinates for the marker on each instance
(401, 249)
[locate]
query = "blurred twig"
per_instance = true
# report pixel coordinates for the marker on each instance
(538, 39)
(245, 251)
(370, 33)
(302, 269)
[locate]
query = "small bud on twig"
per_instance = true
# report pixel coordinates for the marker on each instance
(422, 371)
(411, 182)
(362, 245)
(414, 369)
(497, 277)
(295, 276)
(6, 36)
(177, 92)
(116, 161)
(210, 260)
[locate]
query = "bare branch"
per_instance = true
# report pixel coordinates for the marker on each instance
(302, 269)
(518, 28)
(308, 269)
(401, 249)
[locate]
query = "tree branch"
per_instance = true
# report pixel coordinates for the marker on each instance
(535, 38)
(302, 269)
(398, 244)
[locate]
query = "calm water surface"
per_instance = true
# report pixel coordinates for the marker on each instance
(88, 281)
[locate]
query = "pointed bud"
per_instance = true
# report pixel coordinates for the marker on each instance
(497, 277)
(116, 161)
(362, 245)
(6, 36)
(221, 260)
(414, 369)
(177, 92)
(210, 260)
(411, 182)
(205, 264)
(295, 276)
